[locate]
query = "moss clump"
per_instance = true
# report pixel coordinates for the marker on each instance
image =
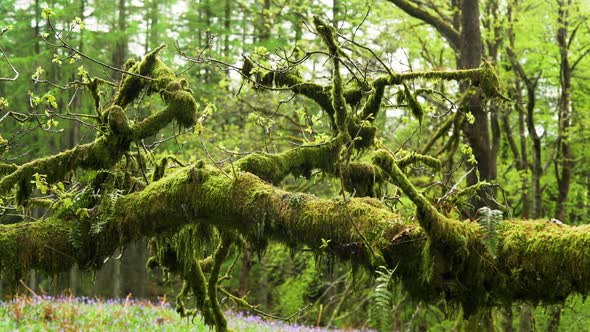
(129, 64)
(489, 81)
(327, 34)
(247, 68)
(160, 169)
(7, 169)
(373, 103)
(181, 107)
(298, 162)
(415, 158)
(413, 104)
(117, 120)
(363, 179)
(218, 258)
(131, 85)
(42, 246)
(362, 134)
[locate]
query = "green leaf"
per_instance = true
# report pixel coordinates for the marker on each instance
(47, 13)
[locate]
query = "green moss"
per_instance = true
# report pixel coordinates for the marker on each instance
(316, 92)
(537, 261)
(551, 261)
(489, 82)
(160, 169)
(117, 120)
(363, 179)
(3, 145)
(415, 158)
(442, 232)
(218, 258)
(181, 107)
(298, 162)
(413, 104)
(328, 35)
(373, 103)
(35, 245)
(130, 63)
(102, 153)
(152, 263)
(7, 169)
(150, 66)
(362, 134)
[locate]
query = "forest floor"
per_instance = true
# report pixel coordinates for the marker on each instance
(44, 313)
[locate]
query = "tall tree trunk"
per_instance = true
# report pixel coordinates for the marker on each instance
(478, 133)
(116, 278)
(121, 45)
(335, 14)
(154, 36)
(264, 33)
(527, 318)
(74, 134)
(564, 158)
(537, 169)
(37, 28)
(73, 278)
(227, 27)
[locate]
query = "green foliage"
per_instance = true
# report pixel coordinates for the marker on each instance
(489, 220)
(382, 300)
(292, 294)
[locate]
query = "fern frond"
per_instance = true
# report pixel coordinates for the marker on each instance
(488, 221)
(382, 300)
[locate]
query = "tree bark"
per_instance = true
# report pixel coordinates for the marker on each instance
(120, 52)
(565, 155)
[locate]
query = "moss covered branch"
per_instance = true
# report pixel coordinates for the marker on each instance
(433, 223)
(445, 28)
(536, 260)
(326, 32)
(111, 145)
(249, 205)
(300, 161)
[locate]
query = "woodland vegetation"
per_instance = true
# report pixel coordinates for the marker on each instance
(427, 156)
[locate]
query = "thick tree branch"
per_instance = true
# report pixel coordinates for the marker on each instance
(444, 28)
(536, 260)
(107, 150)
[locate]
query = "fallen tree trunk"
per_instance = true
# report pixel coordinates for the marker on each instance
(536, 261)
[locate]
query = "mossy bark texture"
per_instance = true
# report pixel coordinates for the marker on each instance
(537, 260)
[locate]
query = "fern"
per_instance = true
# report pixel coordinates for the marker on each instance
(382, 299)
(109, 204)
(75, 237)
(488, 221)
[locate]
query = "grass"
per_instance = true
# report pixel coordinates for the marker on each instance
(43, 313)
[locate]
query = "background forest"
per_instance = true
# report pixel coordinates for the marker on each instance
(530, 150)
